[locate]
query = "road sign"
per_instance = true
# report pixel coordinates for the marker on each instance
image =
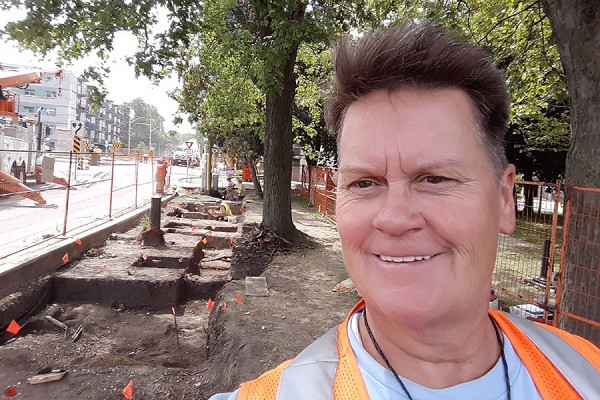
(151, 152)
(189, 144)
(87, 144)
(117, 145)
(76, 144)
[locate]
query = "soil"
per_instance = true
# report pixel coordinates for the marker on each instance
(213, 351)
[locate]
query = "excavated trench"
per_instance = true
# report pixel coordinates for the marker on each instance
(140, 308)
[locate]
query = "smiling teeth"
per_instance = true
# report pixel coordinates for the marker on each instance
(404, 259)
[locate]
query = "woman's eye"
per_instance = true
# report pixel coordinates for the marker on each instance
(436, 179)
(363, 184)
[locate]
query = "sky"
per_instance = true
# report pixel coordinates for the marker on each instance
(122, 85)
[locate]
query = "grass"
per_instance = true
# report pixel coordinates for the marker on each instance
(535, 232)
(144, 222)
(301, 203)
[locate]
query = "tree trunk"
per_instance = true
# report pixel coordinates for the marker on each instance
(277, 204)
(257, 188)
(576, 29)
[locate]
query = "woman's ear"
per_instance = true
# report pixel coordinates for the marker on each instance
(507, 200)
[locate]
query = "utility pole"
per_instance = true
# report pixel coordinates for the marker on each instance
(129, 134)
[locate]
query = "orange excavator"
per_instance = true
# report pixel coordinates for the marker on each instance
(16, 142)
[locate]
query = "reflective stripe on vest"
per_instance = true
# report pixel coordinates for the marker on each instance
(314, 373)
(576, 369)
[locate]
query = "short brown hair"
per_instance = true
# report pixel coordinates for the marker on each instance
(421, 55)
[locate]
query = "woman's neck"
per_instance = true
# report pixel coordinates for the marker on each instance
(435, 356)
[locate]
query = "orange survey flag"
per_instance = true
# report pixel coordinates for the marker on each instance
(238, 297)
(78, 241)
(66, 258)
(205, 241)
(210, 305)
(13, 327)
(128, 391)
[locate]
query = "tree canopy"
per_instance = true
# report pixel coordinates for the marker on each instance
(263, 37)
(254, 69)
(518, 35)
(144, 118)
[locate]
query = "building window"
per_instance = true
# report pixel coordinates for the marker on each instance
(28, 109)
(51, 94)
(50, 111)
(29, 92)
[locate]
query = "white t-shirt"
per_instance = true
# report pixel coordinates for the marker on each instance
(382, 385)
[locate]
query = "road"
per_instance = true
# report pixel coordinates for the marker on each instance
(26, 224)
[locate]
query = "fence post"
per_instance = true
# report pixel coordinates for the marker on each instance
(326, 191)
(112, 181)
(68, 194)
(312, 185)
(137, 165)
(152, 172)
(561, 272)
(550, 264)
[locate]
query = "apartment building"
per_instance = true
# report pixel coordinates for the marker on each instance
(100, 126)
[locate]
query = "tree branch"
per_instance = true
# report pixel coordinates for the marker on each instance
(507, 18)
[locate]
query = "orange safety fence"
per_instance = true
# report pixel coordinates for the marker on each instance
(548, 269)
(524, 273)
(578, 294)
(319, 189)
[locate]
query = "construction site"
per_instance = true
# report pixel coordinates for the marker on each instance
(180, 312)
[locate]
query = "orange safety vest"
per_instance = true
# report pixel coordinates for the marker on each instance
(161, 170)
(328, 369)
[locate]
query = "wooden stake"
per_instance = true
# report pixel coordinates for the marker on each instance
(176, 330)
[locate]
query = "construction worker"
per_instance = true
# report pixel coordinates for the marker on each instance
(423, 192)
(222, 212)
(161, 174)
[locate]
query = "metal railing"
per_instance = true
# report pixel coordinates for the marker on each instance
(548, 268)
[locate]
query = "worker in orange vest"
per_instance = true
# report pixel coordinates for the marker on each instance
(423, 193)
(161, 174)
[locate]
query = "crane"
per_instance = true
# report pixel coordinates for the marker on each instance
(11, 78)
(15, 143)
